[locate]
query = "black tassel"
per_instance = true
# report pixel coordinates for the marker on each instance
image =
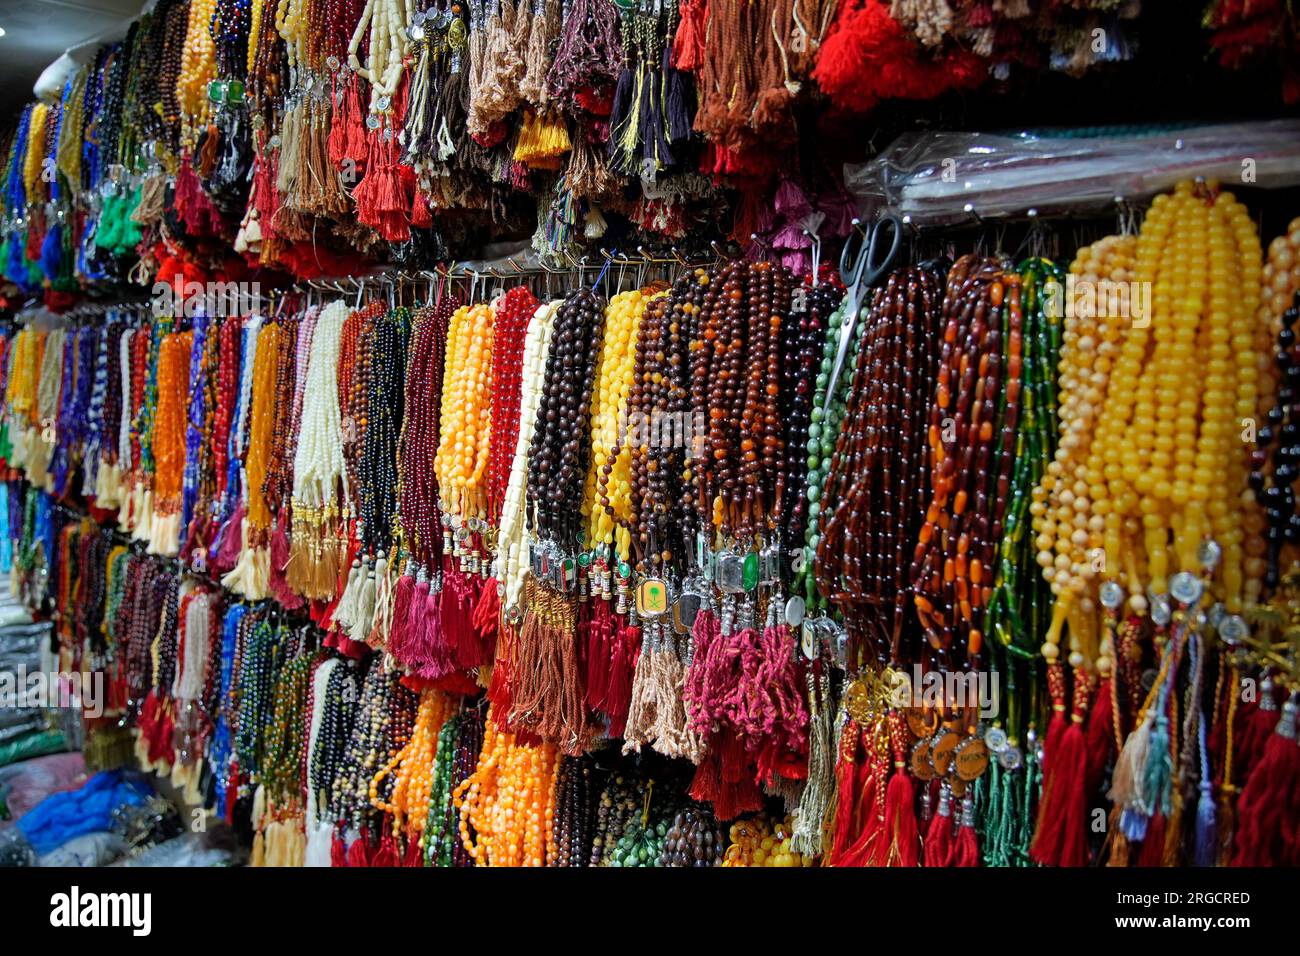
(681, 101)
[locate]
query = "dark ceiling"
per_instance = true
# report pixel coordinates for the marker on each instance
(37, 32)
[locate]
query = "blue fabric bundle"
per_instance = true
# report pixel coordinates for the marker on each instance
(61, 816)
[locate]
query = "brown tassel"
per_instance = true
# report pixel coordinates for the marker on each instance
(1116, 841)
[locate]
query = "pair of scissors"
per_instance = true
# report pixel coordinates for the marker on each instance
(859, 271)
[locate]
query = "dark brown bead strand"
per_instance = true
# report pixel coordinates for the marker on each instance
(874, 497)
(561, 446)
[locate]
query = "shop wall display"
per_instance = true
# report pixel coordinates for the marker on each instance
(642, 433)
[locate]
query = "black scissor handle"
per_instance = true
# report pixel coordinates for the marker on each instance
(876, 267)
(851, 273)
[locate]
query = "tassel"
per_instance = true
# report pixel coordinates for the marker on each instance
(433, 660)
(381, 619)
(938, 838)
(414, 856)
(688, 44)
(1115, 839)
(225, 554)
(967, 850)
(900, 819)
(1101, 737)
(386, 855)
(618, 687)
(486, 619)
(399, 633)
(845, 796)
(417, 655)
(359, 851)
(363, 613)
(345, 612)
(421, 215)
(337, 848)
(1153, 844)
(1267, 805)
(1206, 836)
(900, 802)
(1060, 837)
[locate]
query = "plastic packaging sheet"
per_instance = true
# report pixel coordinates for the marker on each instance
(932, 177)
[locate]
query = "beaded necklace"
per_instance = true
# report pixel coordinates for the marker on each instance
(466, 419)
(880, 464)
(420, 435)
(558, 455)
(511, 559)
(318, 465)
(607, 492)
(968, 476)
(168, 445)
(377, 468)
(511, 316)
(659, 406)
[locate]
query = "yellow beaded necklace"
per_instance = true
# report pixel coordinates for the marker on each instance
(1167, 445)
(466, 418)
(609, 430)
(198, 67)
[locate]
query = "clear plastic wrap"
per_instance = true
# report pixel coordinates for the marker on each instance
(934, 177)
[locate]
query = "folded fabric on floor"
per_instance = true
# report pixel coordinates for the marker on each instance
(62, 816)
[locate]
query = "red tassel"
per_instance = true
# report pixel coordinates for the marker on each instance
(338, 849)
(414, 857)
(596, 636)
(336, 145)
(399, 634)
(359, 851)
(848, 797)
(1101, 737)
(938, 839)
(458, 634)
(1060, 838)
(421, 215)
(487, 618)
(386, 855)
(967, 850)
(688, 44)
(1269, 804)
(354, 111)
(618, 691)
(500, 692)
(433, 661)
(1153, 845)
(230, 541)
(900, 819)
(288, 598)
(869, 848)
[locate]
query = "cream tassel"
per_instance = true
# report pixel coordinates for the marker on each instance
(364, 613)
(346, 608)
(382, 621)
